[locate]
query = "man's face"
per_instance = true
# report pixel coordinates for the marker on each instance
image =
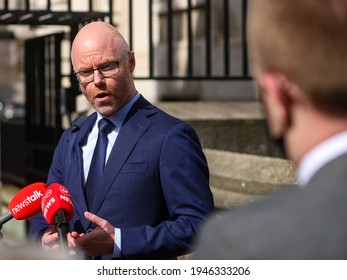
(105, 94)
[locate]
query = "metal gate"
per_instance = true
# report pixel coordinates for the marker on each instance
(42, 92)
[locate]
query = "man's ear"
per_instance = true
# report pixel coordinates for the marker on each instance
(132, 61)
(274, 94)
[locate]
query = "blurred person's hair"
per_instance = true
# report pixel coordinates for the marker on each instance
(307, 41)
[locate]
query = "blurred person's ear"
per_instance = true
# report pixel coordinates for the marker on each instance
(274, 89)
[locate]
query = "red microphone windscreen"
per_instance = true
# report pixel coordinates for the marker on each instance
(27, 202)
(56, 198)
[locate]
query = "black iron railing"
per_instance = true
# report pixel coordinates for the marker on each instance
(203, 14)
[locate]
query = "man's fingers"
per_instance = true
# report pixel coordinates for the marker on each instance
(95, 219)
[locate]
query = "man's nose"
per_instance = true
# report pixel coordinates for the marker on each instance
(98, 77)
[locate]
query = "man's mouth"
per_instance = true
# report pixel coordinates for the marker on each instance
(102, 96)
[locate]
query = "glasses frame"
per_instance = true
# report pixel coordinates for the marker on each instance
(76, 74)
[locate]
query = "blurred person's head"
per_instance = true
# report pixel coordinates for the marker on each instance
(299, 60)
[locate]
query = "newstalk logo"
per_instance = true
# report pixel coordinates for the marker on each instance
(27, 201)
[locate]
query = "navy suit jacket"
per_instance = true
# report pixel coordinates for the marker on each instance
(155, 186)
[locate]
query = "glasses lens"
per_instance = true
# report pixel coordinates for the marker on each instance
(109, 69)
(85, 76)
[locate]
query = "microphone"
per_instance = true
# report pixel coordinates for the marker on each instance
(25, 204)
(57, 209)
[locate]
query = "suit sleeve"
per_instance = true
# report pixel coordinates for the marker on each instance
(184, 178)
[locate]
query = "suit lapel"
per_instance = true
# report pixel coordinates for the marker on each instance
(135, 125)
(77, 168)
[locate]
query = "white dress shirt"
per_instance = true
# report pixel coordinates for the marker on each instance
(320, 155)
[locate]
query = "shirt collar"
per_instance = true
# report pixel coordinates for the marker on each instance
(118, 117)
(320, 155)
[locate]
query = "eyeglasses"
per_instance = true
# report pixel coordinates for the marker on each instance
(106, 70)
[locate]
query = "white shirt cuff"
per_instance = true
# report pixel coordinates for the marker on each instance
(117, 243)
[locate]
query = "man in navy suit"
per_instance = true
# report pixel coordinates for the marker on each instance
(154, 191)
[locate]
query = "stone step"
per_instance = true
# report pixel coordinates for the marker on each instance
(237, 178)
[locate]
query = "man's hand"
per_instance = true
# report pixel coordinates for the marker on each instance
(50, 240)
(98, 242)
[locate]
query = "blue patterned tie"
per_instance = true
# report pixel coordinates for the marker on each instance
(98, 161)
